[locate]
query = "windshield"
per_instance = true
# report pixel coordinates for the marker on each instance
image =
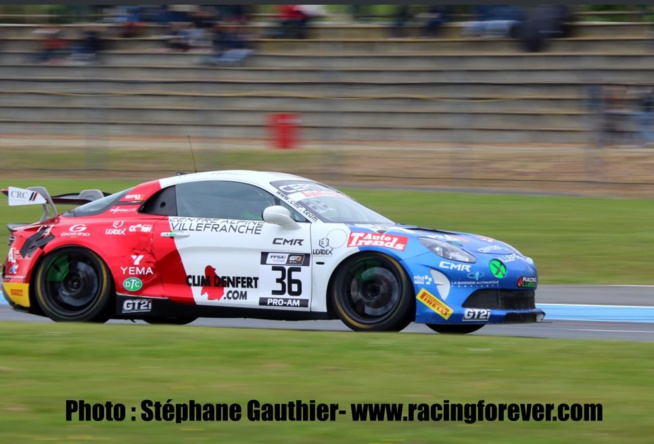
(326, 203)
(97, 206)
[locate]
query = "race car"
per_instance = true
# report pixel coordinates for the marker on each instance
(256, 244)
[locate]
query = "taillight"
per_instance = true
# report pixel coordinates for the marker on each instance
(11, 240)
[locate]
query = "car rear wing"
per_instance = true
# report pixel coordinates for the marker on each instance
(39, 195)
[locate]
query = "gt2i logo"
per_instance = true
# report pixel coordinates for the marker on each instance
(476, 314)
(137, 306)
(287, 284)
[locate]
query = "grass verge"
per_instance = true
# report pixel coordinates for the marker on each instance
(43, 365)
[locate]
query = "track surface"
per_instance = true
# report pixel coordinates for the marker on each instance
(634, 296)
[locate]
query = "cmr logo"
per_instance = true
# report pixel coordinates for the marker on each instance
(452, 266)
(282, 241)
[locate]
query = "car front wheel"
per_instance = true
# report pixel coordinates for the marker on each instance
(371, 292)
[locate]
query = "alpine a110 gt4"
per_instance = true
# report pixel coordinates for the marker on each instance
(255, 244)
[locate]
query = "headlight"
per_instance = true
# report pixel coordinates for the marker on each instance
(447, 251)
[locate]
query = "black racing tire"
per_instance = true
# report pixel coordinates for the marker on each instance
(176, 320)
(73, 284)
(454, 329)
(371, 292)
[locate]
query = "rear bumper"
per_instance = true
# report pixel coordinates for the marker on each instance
(16, 294)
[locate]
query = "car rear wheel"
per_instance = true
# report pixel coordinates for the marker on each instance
(74, 284)
(453, 329)
(182, 320)
(371, 292)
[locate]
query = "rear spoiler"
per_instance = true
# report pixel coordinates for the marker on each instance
(39, 195)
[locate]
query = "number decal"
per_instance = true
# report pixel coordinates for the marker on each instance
(287, 284)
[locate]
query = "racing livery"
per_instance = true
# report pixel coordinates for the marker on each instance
(255, 244)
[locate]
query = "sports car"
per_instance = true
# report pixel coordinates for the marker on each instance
(255, 244)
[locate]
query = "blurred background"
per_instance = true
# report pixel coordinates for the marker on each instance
(539, 98)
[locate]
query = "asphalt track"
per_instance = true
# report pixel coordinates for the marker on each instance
(573, 312)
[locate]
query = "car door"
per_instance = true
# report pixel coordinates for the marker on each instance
(217, 250)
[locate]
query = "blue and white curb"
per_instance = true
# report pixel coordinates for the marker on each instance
(605, 313)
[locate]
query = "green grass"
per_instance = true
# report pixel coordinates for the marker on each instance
(573, 240)
(43, 365)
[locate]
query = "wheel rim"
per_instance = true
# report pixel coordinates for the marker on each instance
(72, 283)
(371, 291)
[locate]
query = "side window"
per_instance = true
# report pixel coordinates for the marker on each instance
(222, 200)
(162, 203)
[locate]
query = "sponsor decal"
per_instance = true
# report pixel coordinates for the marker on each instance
(276, 259)
(19, 196)
(132, 284)
(476, 283)
(118, 223)
(132, 197)
(490, 249)
(476, 314)
(325, 249)
(284, 259)
(305, 187)
(497, 268)
(432, 302)
(528, 282)
(14, 268)
(283, 302)
(16, 292)
(509, 257)
(377, 240)
(115, 231)
(117, 210)
(140, 228)
(452, 266)
(476, 275)
(216, 225)
(137, 306)
(423, 279)
(76, 230)
(217, 287)
(282, 241)
(135, 269)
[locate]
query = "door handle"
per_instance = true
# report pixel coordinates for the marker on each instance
(174, 234)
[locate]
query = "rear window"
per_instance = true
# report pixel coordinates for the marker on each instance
(97, 206)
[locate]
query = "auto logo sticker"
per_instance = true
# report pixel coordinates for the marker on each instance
(497, 268)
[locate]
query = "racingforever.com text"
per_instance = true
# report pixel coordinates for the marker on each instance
(256, 411)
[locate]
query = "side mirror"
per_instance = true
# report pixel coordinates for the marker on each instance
(279, 215)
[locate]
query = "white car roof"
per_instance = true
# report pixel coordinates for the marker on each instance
(261, 178)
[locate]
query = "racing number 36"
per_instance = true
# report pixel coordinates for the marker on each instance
(289, 285)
